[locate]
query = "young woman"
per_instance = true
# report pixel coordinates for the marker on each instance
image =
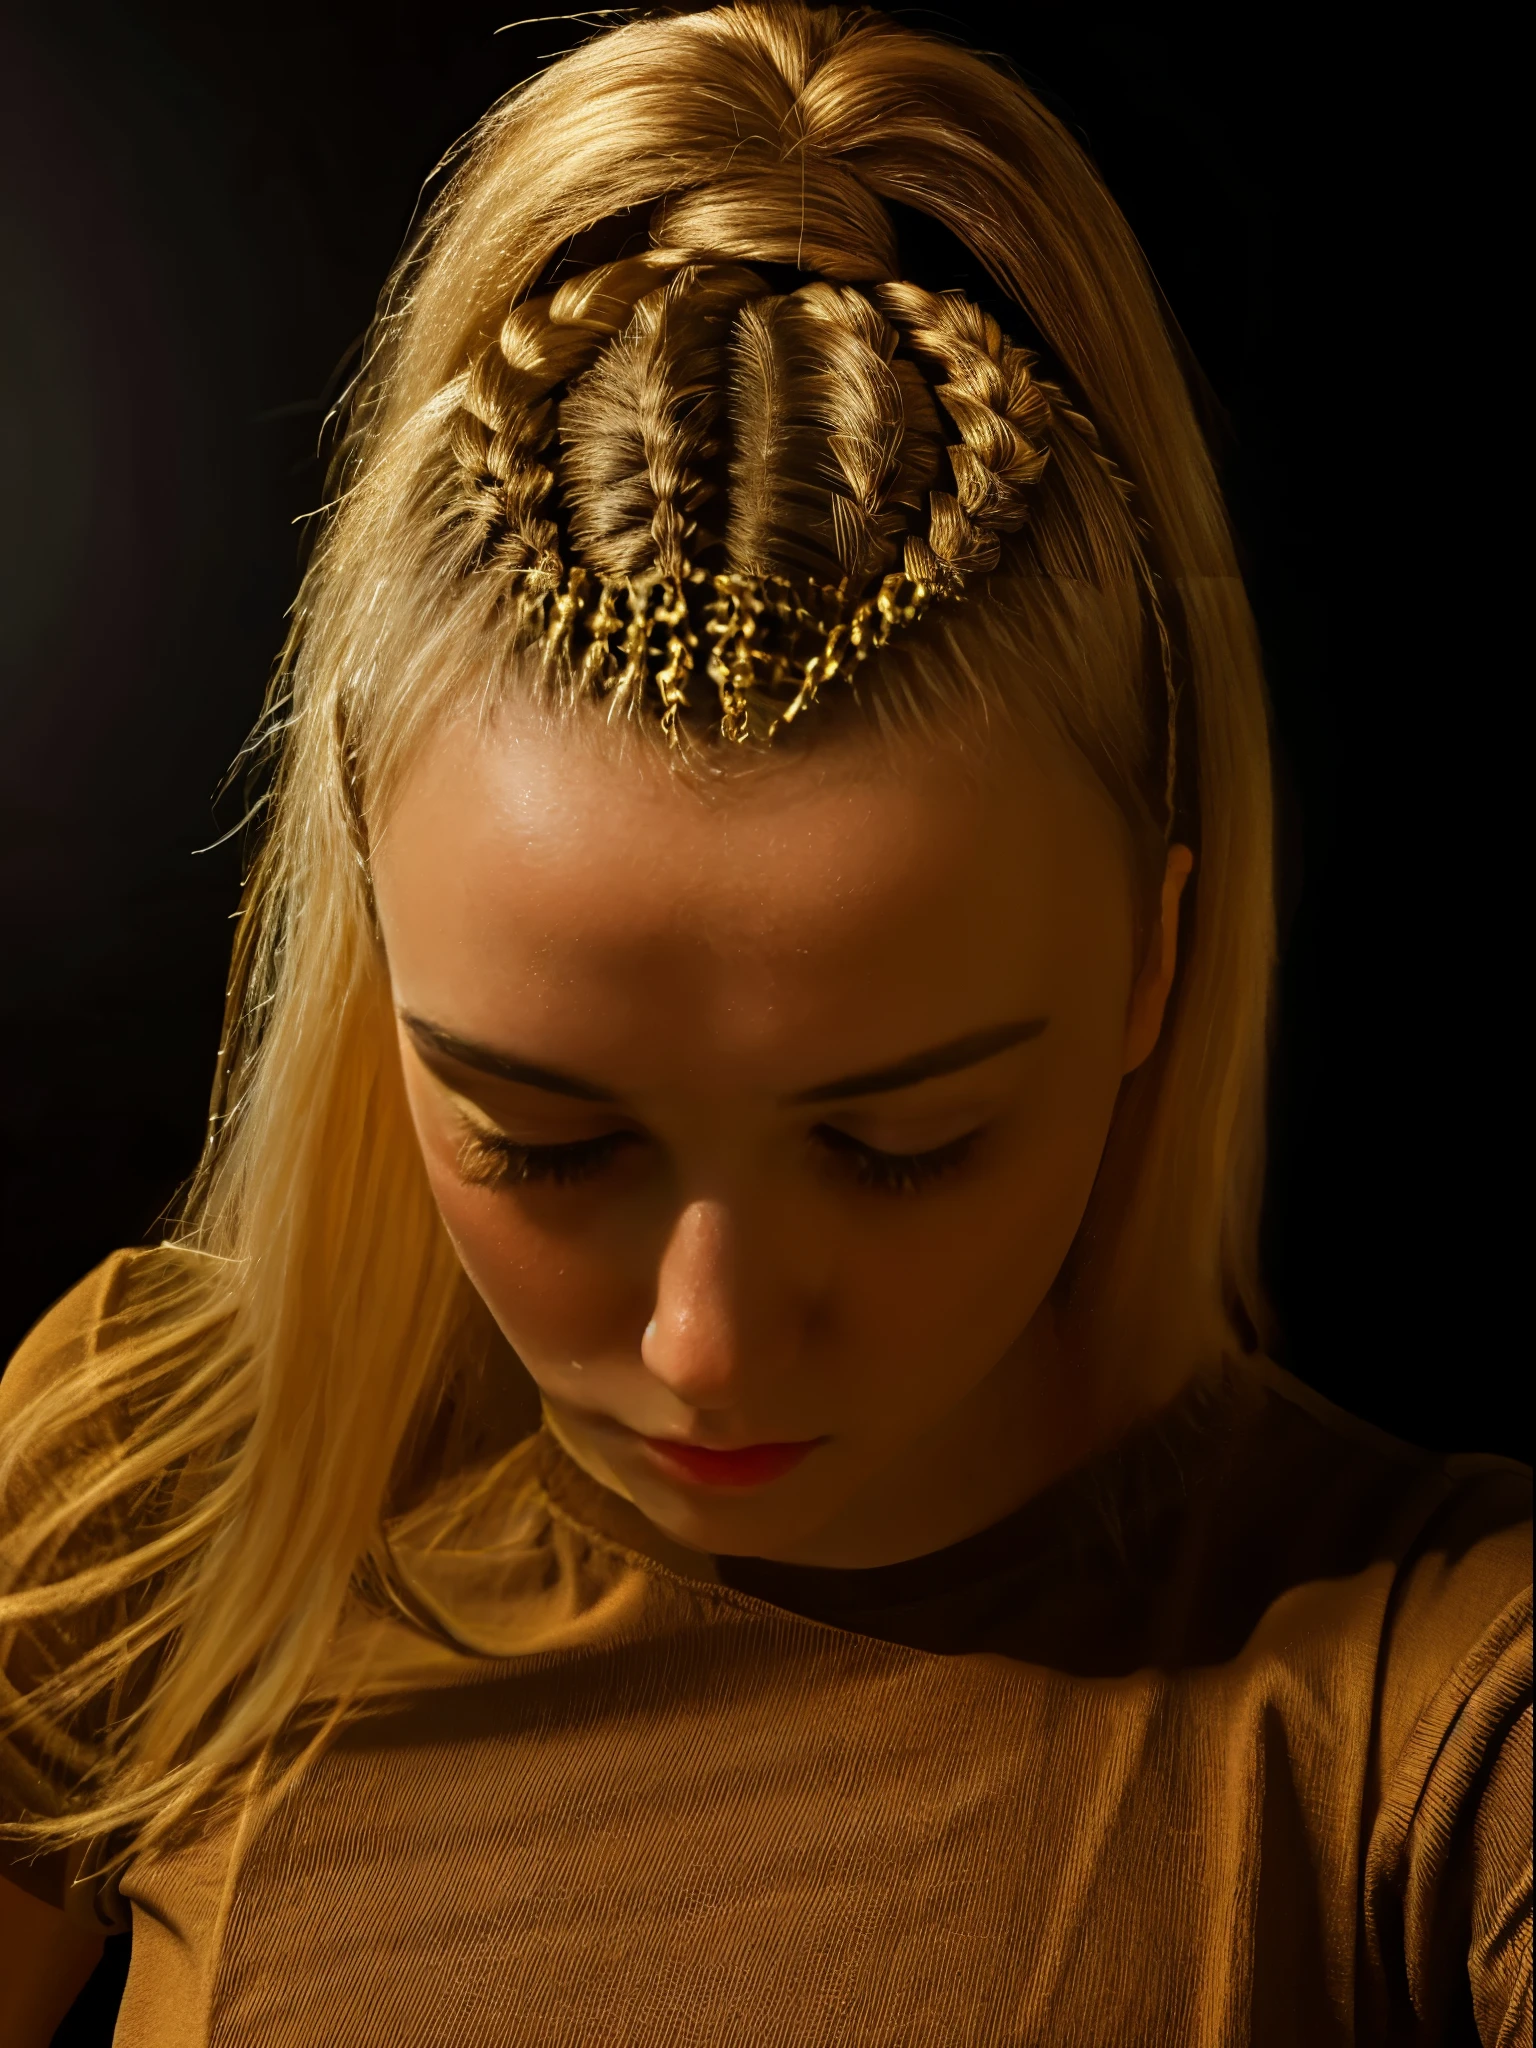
(701, 1467)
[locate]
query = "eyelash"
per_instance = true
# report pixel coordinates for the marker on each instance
(488, 1162)
(896, 1173)
(499, 1162)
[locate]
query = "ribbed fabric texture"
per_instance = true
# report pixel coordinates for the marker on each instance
(1224, 1740)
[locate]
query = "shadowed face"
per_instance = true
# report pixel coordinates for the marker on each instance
(763, 1113)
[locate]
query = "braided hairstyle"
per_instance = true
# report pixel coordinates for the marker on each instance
(705, 375)
(672, 463)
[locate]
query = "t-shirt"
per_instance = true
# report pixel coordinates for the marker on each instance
(1225, 1738)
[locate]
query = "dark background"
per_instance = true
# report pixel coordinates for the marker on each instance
(197, 208)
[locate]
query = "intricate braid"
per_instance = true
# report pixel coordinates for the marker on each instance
(682, 373)
(504, 423)
(638, 428)
(835, 443)
(992, 395)
(1005, 415)
(870, 444)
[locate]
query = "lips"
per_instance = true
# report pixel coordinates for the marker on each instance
(752, 1465)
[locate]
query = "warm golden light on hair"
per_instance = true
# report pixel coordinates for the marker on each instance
(277, 1392)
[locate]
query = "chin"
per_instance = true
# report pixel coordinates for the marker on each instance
(769, 1521)
(734, 1527)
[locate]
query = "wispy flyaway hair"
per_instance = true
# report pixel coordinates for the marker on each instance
(763, 306)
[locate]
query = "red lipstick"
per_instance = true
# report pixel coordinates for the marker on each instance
(752, 1465)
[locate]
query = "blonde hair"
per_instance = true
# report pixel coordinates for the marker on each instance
(696, 224)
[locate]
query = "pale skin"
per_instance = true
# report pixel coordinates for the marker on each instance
(725, 1262)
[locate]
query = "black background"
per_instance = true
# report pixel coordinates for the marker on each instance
(198, 207)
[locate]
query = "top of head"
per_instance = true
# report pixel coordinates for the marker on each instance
(673, 469)
(702, 487)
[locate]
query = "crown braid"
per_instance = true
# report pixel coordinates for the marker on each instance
(504, 420)
(836, 441)
(990, 392)
(742, 473)
(868, 446)
(637, 429)
(1009, 420)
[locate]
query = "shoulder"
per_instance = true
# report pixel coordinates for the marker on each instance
(1336, 1492)
(1454, 1529)
(1304, 1525)
(119, 1302)
(1438, 1548)
(57, 1376)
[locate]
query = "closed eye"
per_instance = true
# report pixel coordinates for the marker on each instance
(895, 1173)
(487, 1159)
(490, 1161)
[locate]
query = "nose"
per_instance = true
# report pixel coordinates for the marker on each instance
(697, 1341)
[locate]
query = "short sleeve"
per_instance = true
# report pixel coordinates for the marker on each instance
(35, 1772)
(1500, 1958)
(1447, 1880)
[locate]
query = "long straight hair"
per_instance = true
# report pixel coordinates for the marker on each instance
(191, 1510)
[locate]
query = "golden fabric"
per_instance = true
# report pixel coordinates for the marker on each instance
(1226, 1739)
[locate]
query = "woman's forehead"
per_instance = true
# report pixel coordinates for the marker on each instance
(527, 883)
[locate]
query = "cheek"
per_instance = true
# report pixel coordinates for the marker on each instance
(958, 1274)
(971, 1268)
(556, 1294)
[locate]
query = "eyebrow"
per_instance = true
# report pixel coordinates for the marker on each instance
(951, 1058)
(433, 1038)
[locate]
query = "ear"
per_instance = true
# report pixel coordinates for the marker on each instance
(1149, 998)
